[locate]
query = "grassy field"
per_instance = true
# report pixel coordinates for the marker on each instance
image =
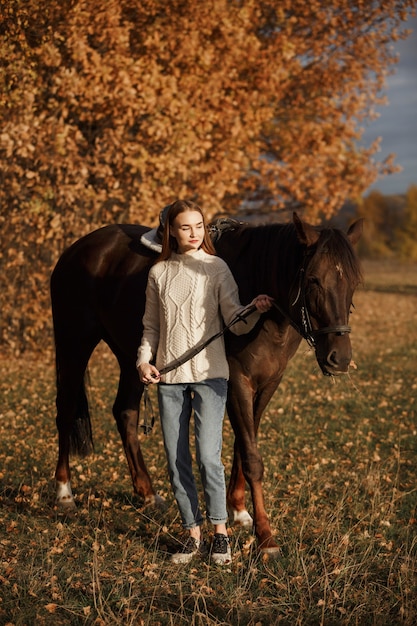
(340, 486)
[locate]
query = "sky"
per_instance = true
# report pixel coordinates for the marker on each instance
(397, 124)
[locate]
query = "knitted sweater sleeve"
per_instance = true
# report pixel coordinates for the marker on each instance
(230, 305)
(151, 319)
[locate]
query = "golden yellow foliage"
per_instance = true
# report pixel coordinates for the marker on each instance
(111, 110)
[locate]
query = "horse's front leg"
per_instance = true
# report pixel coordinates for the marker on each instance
(236, 504)
(250, 465)
(126, 414)
(236, 500)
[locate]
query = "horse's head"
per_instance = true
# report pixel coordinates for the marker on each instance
(329, 276)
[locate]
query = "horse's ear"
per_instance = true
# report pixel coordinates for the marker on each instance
(306, 233)
(355, 231)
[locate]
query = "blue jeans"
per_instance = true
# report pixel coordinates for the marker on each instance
(176, 403)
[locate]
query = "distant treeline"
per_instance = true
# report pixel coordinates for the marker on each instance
(390, 227)
(390, 222)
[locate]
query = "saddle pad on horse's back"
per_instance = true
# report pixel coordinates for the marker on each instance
(151, 240)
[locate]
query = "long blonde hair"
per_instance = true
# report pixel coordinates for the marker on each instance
(169, 243)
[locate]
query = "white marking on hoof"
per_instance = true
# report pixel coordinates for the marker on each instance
(64, 497)
(275, 551)
(156, 500)
(241, 518)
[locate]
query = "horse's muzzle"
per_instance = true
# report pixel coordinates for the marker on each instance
(335, 360)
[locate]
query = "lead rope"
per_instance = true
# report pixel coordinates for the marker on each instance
(148, 412)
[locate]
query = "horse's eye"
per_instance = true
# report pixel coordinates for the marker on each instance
(351, 308)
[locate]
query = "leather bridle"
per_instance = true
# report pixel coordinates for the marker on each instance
(305, 327)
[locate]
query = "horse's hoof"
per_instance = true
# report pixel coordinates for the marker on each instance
(64, 498)
(272, 552)
(157, 501)
(66, 505)
(268, 548)
(241, 518)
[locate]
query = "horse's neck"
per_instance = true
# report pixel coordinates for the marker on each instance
(282, 258)
(289, 268)
(273, 258)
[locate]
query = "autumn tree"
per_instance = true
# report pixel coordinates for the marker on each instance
(110, 110)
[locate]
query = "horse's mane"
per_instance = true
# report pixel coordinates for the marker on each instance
(283, 238)
(336, 245)
(260, 236)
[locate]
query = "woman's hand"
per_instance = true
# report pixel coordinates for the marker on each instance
(148, 373)
(263, 302)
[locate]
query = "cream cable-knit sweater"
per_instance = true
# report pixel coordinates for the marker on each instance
(187, 297)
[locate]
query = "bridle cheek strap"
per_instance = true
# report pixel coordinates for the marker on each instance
(306, 330)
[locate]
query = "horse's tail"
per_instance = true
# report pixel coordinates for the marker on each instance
(81, 436)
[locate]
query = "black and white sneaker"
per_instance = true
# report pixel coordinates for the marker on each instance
(220, 549)
(190, 548)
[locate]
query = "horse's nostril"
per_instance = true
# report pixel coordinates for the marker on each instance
(337, 361)
(332, 358)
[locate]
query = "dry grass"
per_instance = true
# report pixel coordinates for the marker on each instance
(340, 486)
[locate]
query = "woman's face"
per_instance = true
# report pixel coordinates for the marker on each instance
(188, 230)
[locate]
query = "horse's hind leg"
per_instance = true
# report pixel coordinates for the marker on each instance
(126, 414)
(72, 419)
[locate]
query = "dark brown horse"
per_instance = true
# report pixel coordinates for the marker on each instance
(98, 293)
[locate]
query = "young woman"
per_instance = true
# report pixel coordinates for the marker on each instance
(190, 293)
